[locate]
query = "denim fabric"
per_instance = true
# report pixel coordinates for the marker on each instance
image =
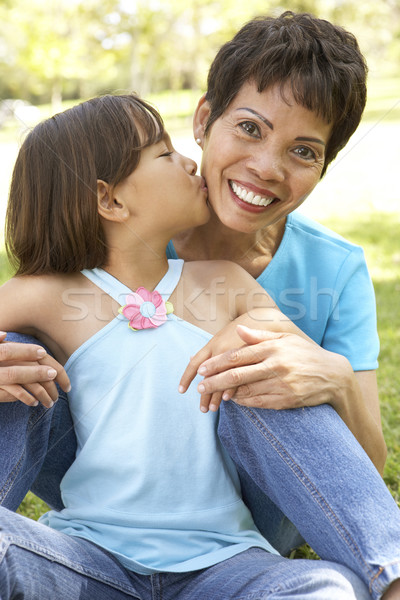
(311, 466)
(39, 563)
(305, 461)
(37, 445)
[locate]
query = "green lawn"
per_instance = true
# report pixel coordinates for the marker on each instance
(359, 198)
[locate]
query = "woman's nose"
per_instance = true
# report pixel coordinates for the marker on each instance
(268, 164)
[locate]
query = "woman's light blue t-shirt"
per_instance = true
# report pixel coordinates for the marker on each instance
(321, 282)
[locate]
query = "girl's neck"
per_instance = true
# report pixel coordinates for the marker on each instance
(143, 266)
(213, 241)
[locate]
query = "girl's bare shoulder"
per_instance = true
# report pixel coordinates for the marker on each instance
(36, 287)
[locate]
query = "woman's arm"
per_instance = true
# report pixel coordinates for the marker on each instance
(281, 371)
(275, 365)
(29, 374)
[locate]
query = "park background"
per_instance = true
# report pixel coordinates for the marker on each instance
(55, 53)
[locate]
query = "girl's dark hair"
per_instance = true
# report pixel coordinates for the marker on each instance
(52, 223)
(321, 63)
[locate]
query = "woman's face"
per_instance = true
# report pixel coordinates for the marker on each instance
(261, 158)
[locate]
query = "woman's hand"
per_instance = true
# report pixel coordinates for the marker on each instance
(270, 370)
(28, 374)
(285, 370)
(224, 340)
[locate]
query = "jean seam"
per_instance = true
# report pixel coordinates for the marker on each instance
(299, 473)
(156, 586)
(61, 560)
(33, 420)
(260, 595)
(11, 478)
(375, 581)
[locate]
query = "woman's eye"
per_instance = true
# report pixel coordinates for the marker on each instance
(250, 128)
(305, 152)
(166, 153)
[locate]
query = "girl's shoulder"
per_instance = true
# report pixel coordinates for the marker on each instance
(37, 286)
(30, 297)
(36, 304)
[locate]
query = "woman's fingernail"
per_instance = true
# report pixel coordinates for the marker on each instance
(41, 353)
(51, 373)
(225, 396)
(201, 388)
(203, 409)
(181, 389)
(202, 370)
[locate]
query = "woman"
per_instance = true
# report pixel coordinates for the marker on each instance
(283, 98)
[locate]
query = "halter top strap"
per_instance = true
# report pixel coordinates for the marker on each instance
(118, 291)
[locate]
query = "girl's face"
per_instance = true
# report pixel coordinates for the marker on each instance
(261, 158)
(164, 191)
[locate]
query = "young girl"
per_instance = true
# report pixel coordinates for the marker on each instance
(152, 501)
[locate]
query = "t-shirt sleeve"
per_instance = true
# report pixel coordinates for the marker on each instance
(352, 325)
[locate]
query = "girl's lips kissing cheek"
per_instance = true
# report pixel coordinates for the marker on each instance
(250, 199)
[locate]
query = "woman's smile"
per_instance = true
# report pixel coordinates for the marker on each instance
(251, 195)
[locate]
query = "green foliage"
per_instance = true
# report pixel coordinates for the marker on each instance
(379, 234)
(82, 48)
(5, 269)
(383, 99)
(32, 507)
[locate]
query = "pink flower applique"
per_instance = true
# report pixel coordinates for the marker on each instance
(145, 310)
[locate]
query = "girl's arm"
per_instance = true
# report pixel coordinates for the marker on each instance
(277, 366)
(27, 372)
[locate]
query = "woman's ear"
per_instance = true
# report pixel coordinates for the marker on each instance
(108, 206)
(200, 119)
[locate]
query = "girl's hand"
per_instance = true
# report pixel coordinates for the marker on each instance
(273, 370)
(28, 374)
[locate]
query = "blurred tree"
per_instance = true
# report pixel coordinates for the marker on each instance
(71, 48)
(51, 48)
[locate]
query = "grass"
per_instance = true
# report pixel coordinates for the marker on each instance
(358, 198)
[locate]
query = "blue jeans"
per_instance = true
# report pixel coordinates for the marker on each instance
(38, 446)
(39, 563)
(305, 461)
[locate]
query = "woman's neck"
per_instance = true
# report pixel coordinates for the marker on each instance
(213, 241)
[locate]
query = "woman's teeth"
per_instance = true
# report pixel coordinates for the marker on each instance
(250, 197)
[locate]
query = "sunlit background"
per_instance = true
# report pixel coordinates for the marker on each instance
(53, 53)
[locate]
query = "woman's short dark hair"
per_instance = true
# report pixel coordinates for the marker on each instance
(52, 223)
(321, 63)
